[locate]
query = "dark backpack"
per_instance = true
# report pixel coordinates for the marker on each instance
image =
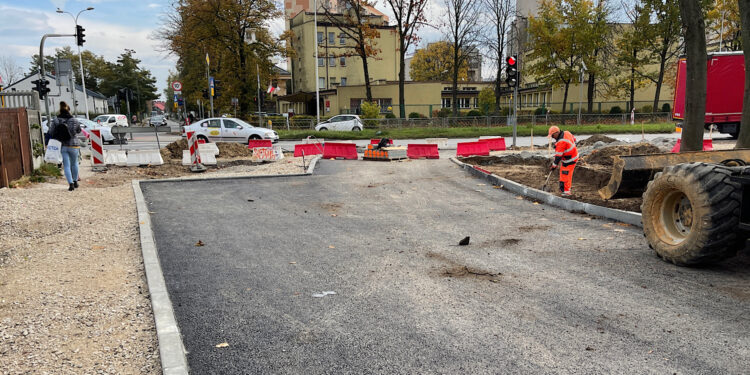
(61, 132)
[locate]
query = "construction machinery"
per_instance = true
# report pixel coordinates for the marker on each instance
(696, 205)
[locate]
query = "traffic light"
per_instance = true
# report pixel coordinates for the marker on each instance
(205, 93)
(217, 88)
(511, 71)
(80, 34)
(40, 86)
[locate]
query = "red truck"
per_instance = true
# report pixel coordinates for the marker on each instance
(725, 84)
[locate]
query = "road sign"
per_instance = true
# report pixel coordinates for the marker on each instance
(175, 97)
(235, 101)
(177, 85)
(211, 82)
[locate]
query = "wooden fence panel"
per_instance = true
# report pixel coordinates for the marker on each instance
(15, 146)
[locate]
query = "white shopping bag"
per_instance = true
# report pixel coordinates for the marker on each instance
(53, 154)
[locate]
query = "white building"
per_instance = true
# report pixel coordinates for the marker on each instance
(97, 101)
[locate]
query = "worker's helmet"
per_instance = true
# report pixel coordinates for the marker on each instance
(552, 130)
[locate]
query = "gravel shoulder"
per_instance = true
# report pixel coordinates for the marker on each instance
(73, 294)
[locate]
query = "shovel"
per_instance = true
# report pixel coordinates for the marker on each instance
(544, 187)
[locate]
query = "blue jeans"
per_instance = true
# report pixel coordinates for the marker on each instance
(70, 163)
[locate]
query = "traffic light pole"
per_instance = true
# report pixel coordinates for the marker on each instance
(41, 67)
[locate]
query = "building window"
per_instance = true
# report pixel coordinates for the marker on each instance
(462, 102)
(342, 61)
(331, 61)
(536, 99)
(342, 39)
(544, 99)
(321, 82)
(320, 37)
(332, 80)
(343, 81)
(476, 102)
(446, 102)
(331, 38)
(384, 104)
(321, 61)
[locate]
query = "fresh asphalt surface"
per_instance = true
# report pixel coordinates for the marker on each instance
(538, 290)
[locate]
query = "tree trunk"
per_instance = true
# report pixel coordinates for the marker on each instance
(401, 79)
(455, 80)
(565, 98)
(743, 141)
(659, 81)
(368, 90)
(695, 89)
(590, 92)
(632, 80)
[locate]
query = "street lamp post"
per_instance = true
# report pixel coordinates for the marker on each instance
(80, 59)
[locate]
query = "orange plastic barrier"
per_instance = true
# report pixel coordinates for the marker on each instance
(708, 145)
(473, 149)
(340, 150)
(253, 143)
(376, 141)
(496, 144)
(308, 149)
(417, 151)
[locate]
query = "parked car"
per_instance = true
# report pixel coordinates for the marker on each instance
(157, 121)
(342, 123)
(112, 120)
(227, 129)
(89, 125)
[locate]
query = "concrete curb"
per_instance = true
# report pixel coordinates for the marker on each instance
(632, 218)
(171, 350)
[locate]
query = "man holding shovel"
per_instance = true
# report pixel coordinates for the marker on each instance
(566, 154)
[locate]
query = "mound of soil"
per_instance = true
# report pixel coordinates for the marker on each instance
(603, 156)
(226, 150)
(595, 138)
(233, 150)
(174, 149)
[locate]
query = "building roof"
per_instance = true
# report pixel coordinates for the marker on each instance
(280, 71)
(90, 93)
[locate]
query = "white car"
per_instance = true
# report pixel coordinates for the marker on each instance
(112, 120)
(89, 125)
(226, 129)
(342, 123)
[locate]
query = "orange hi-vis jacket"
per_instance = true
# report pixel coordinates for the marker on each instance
(565, 149)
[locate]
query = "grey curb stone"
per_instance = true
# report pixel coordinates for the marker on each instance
(632, 218)
(171, 349)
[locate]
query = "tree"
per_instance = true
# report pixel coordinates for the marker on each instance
(499, 13)
(695, 89)
(435, 63)
(353, 18)
(222, 30)
(631, 53)
(597, 38)
(463, 32)
(558, 38)
(10, 72)
(96, 68)
(661, 39)
(743, 140)
(409, 17)
(723, 22)
(487, 100)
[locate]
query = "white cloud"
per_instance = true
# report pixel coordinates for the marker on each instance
(153, 5)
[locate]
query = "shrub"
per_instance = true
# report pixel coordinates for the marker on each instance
(390, 115)
(647, 108)
(444, 112)
(487, 100)
(415, 115)
(505, 111)
(666, 107)
(474, 113)
(615, 110)
(541, 111)
(370, 111)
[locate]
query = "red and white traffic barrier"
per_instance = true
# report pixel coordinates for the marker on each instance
(195, 155)
(97, 151)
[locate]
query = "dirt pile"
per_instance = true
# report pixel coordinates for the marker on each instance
(174, 149)
(595, 138)
(233, 150)
(603, 156)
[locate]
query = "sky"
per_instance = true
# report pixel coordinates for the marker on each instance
(111, 27)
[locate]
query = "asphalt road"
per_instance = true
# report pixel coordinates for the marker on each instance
(538, 290)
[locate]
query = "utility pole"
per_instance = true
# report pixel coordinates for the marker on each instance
(210, 92)
(580, 91)
(257, 72)
(41, 67)
(79, 36)
(317, 88)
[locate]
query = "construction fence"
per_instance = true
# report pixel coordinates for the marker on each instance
(21, 139)
(296, 123)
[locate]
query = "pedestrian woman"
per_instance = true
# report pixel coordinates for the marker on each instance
(64, 129)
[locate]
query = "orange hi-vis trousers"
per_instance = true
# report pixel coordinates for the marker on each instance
(566, 177)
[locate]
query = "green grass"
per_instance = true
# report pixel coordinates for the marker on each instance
(469, 132)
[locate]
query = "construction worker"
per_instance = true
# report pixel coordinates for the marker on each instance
(566, 154)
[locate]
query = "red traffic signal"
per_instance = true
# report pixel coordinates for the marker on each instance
(511, 60)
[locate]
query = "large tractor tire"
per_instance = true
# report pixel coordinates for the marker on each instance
(691, 212)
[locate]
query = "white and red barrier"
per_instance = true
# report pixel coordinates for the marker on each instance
(97, 150)
(195, 155)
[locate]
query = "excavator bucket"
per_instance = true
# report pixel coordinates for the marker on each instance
(631, 174)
